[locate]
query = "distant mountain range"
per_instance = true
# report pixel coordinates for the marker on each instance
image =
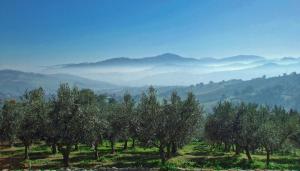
(164, 59)
(171, 69)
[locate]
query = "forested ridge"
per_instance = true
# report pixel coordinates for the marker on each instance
(280, 90)
(74, 117)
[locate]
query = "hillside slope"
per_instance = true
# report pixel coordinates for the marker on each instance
(13, 83)
(282, 90)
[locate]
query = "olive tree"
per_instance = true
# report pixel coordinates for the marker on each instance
(151, 126)
(127, 118)
(295, 137)
(219, 128)
(230, 125)
(95, 121)
(247, 124)
(268, 132)
(51, 120)
(184, 120)
(69, 120)
(10, 118)
(115, 123)
(32, 123)
(168, 124)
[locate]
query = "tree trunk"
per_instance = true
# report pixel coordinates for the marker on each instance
(237, 149)
(66, 153)
(53, 148)
(168, 151)
(133, 143)
(26, 157)
(226, 147)
(10, 143)
(96, 150)
(162, 154)
(76, 147)
(112, 145)
(125, 145)
(248, 154)
(268, 157)
(174, 148)
(253, 150)
(66, 160)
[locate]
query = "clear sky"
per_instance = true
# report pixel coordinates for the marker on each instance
(47, 32)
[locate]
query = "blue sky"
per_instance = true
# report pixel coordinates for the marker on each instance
(47, 32)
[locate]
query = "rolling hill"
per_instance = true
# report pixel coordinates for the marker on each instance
(282, 90)
(13, 83)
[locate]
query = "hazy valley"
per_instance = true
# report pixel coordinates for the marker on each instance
(239, 78)
(171, 69)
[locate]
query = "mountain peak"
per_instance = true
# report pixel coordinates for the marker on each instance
(289, 58)
(116, 60)
(164, 59)
(243, 58)
(169, 56)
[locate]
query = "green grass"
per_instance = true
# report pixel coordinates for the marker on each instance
(194, 155)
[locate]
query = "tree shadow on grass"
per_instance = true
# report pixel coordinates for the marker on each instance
(38, 155)
(108, 151)
(11, 163)
(134, 152)
(16, 161)
(49, 166)
(83, 161)
(225, 162)
(136, 161)
(120, 159)
(205, 151)
(291, 163)
(87, 156)
(283, 160)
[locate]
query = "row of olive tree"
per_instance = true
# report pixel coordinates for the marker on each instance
(250, 127)
(75, 116)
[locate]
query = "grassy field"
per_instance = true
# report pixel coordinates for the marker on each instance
(194, 155)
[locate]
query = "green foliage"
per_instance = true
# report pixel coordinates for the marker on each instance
(69, 118)
(97, 124)
(167, 125)
(220, 125)
(33, 110)
(32, 121)
(251, 128)
(10, 118)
